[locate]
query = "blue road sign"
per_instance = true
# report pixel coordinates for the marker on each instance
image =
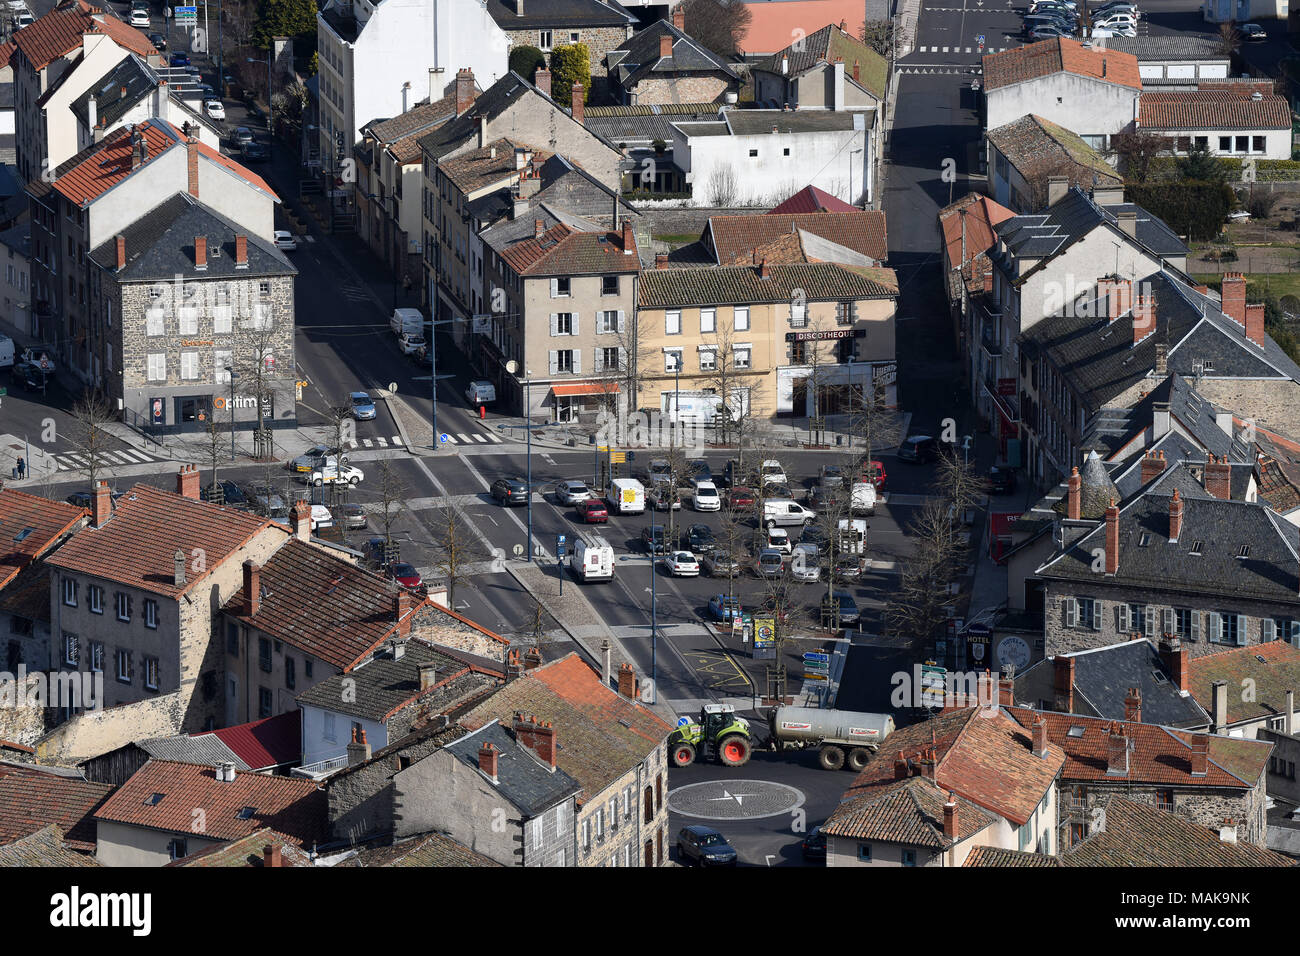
(559, 545)
(444, 437)
(816, 656)
(182, 11)
(980, 39)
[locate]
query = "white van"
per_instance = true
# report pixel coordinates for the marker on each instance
(410, 321)
(6, 352)
(864, 498)
(481, 392)
(592, 561)
(626, 496)
(783, 511)
(852, 536)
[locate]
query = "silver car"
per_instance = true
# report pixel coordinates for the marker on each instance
(363, 409)
(717, 563)
(571, 492)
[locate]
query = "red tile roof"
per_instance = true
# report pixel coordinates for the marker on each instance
(288, 805)
(772, 25)
(1227, 108)
(6, 51)
(1272, 668)
(982, 214)
(266, 743)
(248, 851)
(41, 523)
(31, 799)
(563, 250)
(733, 238)
(60, 32)
(905, 811)
(136, 546)
(1034, 60)
(811, 199)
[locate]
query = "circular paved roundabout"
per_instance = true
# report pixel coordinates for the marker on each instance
(734, 799)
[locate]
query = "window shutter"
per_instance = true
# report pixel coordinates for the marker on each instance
(622, 352)
(1096, 614)
(1196, 624)
(573, 326)
(1267, 630)
(1169, 620)
(620, 321)
(551, 356)
(1241, 630)
(555, 290)
(555, 322)
(577, 361)
(1216, 626)
(1071, 612)
(1294, 636)
(1149, 625)
(1122, 622)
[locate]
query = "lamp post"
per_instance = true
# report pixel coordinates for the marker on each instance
(230, 370)
(270, 110)
(433, 371)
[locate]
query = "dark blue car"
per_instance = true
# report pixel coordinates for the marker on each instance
(179, 59)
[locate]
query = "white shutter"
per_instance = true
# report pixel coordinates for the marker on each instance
(1149, 625)
(555, 288)
(154, 322)
(1294, 636)
(573, 326)
(622, 352)
(552, 359)
(620, 321)
(577, 361)
(221, 316)
(555, 323)
(1096, 614)
(1267, 630)
(1169, 620)
(1196, 624)
(1216, 626)
(1241, 629)
(1071, 612)
(1122, 622)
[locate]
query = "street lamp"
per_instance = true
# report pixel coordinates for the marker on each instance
(270, 110)
(433, 369)
(512, 368)
(233, 375)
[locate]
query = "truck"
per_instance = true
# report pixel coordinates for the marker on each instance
(626, 496)
(718, 732)
(845, 738)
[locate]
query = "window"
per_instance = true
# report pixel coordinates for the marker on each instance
(1243, 144)
(741, 357)
(742, 318)
(586, 836)
(1227, 628)
(151, 613)
(564, 360)
(151, 673)
(708, 320)
(187, 318)
(122, 665)
(753, 154)
(1136, 618)
(609, 285)
(1280, 629)
(70, 649)
(909, 858)
(264, 288)
(672, 322)
(607, 322)
(672, 360)
(328, 731)
(544, 40)
(1257, 144)
(1225, 144)
(95, 599)
(306, 668)
(563, 324)
(123, 602)
(176, 849)
(189, 365)
(574, 36)
(600, 825)
(153, 321)
(845, 313)
(864, 852)
(610, 359)
(157, 367)
(798, 315)
(222, 359)
(1187, 624)
(708, 360)
(69, 592)
(264, 654)
(264, 702)
(560, 287)
(1083, 613)
(290, 678)
(798, 353)
(232, 638)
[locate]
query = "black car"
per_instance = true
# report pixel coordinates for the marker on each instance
(849, 613)
(826, 494)
(654, 540)
(1002, 481)
(229, 494)
(814, 845)
(706, 846)
(255, 152)
(698, 538)
(1253, 32)
(698, 468)
(158, 40)
(510, 491)
(29, 377)
(83, 499)
(919, 449)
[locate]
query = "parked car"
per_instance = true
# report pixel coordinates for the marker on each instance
(874, 472)
(405, 574)
(778, 539)
(723, 607)
(1048, 32)
(862, 499)
(682, 564)
(1252, 32)
(699, 538)
(255, 152)
(717, 563)
(140, 18)
(314, 458)
(334, 473)
(267, 503)
(354, 516)
(321, 518)
(363, 409)
(804, 564)
(1114, 30)
(771, 471)
(662, 496)
(571, 492)
(159, 41)
(84, 499)
(848, 567)
(1112, 6)
(776, 490)
(41, 358)
(593, 511)
(698, 469)
(813, 846)
(181, 59)
(826, 494)
(29, 377)
(705, 846)
(659, 469)
(242, 135)
(654, 540)
(830, 473)
(769, 564)
(704, 495)
(215, 109)
(1002, 480)
(480, 393)
(225, 492)
(285, 241)
(411, 342)
(510, 491)
(739, 498)
(849, 613)
(784, 512)
(918, 449)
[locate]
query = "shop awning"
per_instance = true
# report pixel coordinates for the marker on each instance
(585, 388)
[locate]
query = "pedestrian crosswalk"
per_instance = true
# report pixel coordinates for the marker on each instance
(381, 442)
(355, 292)
(461, 438)
(960, 49)
(81, 461)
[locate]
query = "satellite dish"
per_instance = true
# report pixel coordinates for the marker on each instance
(512, 367)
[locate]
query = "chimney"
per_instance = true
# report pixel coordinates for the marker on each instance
(1288, 718)
(1233, 293)
(1063, 683)
(435, 84)
(1177, 661)
(225, 772)
(837, 80)
(661, 260)
(950, 817)
(402, 604)
(192, 165)
(1159, 417)
(1006, 692)
(1119, 296)
(187, 482)
(627, 681)
(1073, 486)
(1218, 477)
(1228, 831)
(252, 588)
(1255, 323)
(762, 269)
(1116, 751)
(482, 131)
(514, 664)
(1200, 755)
(518, 205)
(539, 227)
(577, 104)
(544, 746)
(358, 749)
(178, 568)
(1219, 707)
(785, 64)
(1162, 358)
(300, 520)
(679, 18)
(1144, 317)
(1133, 705)
(1040, 737)
(428, 676)
(1224, 421)
(629, 240)
(271, 855)
(665, 46)
(857, 77)
(241, 252)
(1057, 187)
(605, 662)
(200, 253)
(101, 505)
(1153, 465)
(1175, 521)
(532, 659)
(138, 150)
(488, 753)
(1128, 224)
(1112, 538)
(902, 770)
(120, 242)
(524, 727)
(542, 80)
(927, 762)
(92, 112)
(465, 89)
(519, 8)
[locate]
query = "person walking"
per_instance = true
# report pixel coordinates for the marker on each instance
(22, 468)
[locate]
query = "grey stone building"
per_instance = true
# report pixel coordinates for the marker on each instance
(547, 24)
(662, 64)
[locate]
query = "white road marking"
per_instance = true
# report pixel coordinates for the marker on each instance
(479, 438)
(494, 438)
(463, 437)
(367, 442)
(396, 440)
(383, 442)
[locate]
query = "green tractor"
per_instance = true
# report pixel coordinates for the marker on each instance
(719, 730)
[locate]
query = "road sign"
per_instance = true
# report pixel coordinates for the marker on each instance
(618, 457)
(808, 676)
(444, 437)
(816, 665)
(816, 656)
(559, 545)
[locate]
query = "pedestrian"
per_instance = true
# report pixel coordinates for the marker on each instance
(406, 284)
(22, 468)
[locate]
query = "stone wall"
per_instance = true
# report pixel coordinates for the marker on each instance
(1208, 807)
(1273, 405)
(1282, 764)
(435, 625)
(693, 88)
(96, 732)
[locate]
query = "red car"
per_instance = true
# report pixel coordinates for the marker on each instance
(875, 473)
(739, 498)
(405, 575)
(593, 511)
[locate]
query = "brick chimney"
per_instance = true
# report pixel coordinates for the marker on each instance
(1218, 478)
(178, 568)
(665, 45)
(200, 253)
(1144, 317)
(1153, 465)
(532, 659)
(487, 760)
(661, 260)
(271, 855)
(679, 18)
(927, 762)
(539, 227)
(1039, 733)
(1177, 661)
(1119, 295)
(1063, 683)
(902, 769)
(542, 80)
(1162, 358)
(192, 165)
(101, 505)
(1073, 486)
(1175, 517)
(1112, 538)
(1255, 323)
(1233, 293)
(1133, 705)
(241, 252)
(464, 90)
(544, 735)
(300, 520)
(1116, 752)
(403, 601)
(857, 76)
(252, 588)
(950, 817)
(578, 104)
(1006, 692)
(187, 482)
(627, 681)
(762, 269)
(120, 243)
(629, 238)
(359, 748)
(1200, 755)
(514, 664)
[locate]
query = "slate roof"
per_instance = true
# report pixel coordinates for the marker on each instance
(576, 191)
(136, 546)
(322, 604)
(431, 849)
(997, 856)
(1037, 148)
(60, 32)
(643, 124)
(208, 751)
(1212, 109)
(601, 736)
(742, 284)
(1157, 755)
(1036, 60)
(522, 778)
(804, 246)
(905, 811)
(982, 215)
(479, 168)
(825, 45)
(1170, 46)
(1103, 676)
(1140, 835)
(263, 744)
(29, 526)
(115, 92)
(32, 797)
(689, 57)
(401, 134)
(45, 847)
(811, 199)
(733, 238)
(1272, 668)
(248, 851)
(752, 122)
(160, 246)
(289, 805)
(558, 13)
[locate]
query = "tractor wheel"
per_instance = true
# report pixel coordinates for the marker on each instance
(858, 758)
(683, 754)
(733, 751)
(831, 757)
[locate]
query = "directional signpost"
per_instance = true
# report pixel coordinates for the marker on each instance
(932, 685)
(816, 665)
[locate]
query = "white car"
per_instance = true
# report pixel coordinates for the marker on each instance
(411, 342)
(772, 473)
(571, 492)
(321, 518)
(778, 539)
(215, 109)
(139, 17)
(1115, 21)
(682, 564)
(332, 473)
(285, 241)
(1105, 33)
(704, 496)
(804, 564)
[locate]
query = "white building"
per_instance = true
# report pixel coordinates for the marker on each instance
(378, 59)
(1234, 120)
(760, 157)
(1174, 60)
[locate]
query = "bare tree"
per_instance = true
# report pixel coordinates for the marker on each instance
(919, 606)
(392, 500)
(722, 188)
(1229, 39)
(216, 440)
(1136, 150)
(737, 540)
(734, 419)
(456, 547)
(958, 483)
(90, 414)
(720, 25)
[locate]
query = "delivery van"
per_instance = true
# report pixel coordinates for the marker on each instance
(784, 512)
(592, 560)
(626, 496)
(6, 352)
(407, 321)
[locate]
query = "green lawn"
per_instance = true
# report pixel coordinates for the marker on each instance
(1258, 284)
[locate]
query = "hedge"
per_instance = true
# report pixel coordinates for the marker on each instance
(1190, 208)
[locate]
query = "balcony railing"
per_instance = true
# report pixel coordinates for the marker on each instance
(322, 768)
